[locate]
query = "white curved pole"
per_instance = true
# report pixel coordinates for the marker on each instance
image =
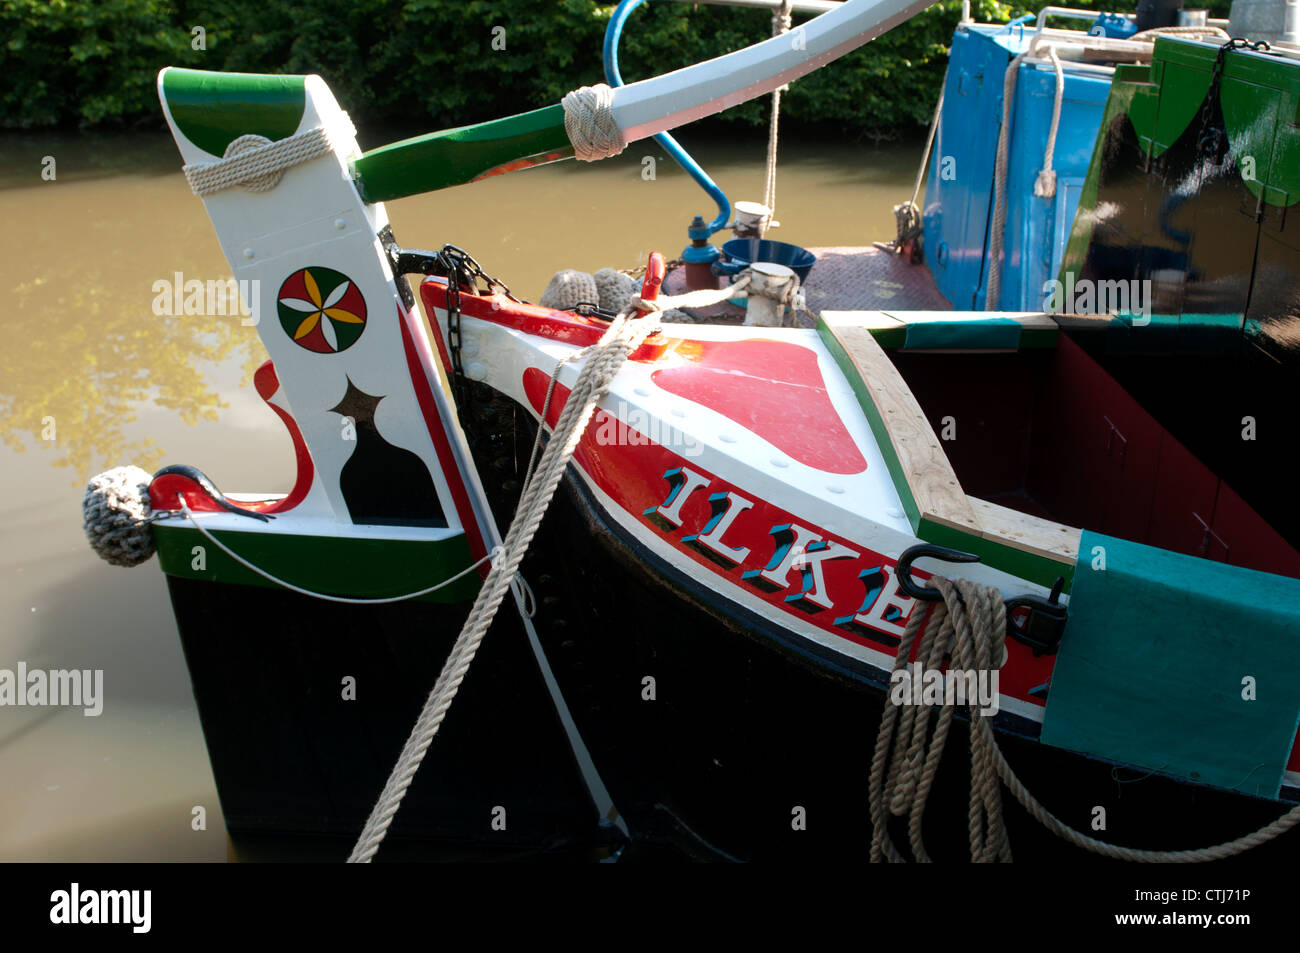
(663, 102)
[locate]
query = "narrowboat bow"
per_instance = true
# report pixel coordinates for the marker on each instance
(716, 643)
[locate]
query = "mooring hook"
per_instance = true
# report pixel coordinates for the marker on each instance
(209, 488)
(920, 551)
(1043, 628)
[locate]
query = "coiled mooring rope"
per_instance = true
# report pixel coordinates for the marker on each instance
(970, 626)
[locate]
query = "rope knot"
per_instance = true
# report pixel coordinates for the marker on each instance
(116, 516)
(590, 125)
(1045, 184)
(257, 164)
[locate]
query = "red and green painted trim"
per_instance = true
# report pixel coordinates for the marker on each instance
(348, 566)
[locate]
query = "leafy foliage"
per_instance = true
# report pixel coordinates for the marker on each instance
(93, 62)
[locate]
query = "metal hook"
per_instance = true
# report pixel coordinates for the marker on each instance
(913, 553)
(1042, 629)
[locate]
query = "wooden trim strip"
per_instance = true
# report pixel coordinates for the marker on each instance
(938, 508)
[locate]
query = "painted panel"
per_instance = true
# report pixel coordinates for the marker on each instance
(1031, 245)
(1183, 506)
(957, 207)
(1248, 540)
(1179, 665)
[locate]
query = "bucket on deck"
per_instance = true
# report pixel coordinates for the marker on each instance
(739, 253)
(752, 220)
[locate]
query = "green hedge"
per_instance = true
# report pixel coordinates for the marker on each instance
(93, 62)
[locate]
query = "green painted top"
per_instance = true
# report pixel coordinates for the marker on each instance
(464, 154)
(213, 109)
(1260, 98)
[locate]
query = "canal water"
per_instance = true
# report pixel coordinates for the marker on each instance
(91, 377)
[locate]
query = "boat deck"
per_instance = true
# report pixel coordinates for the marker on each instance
(846, 278)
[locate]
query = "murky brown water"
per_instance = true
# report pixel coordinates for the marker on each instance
(90, 378)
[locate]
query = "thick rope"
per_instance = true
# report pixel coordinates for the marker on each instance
(660, 307)
(1045, 184)
(116, 514)
(781, 23)
(624, 336)
(590, 125)
(993, 283)
(1196, 856)
(969, 625)
(904, 763)
(256, 163)
(1206, 30)
(693, 299)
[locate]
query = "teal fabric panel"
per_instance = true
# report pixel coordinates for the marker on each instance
(1151, 668)
(979, 333)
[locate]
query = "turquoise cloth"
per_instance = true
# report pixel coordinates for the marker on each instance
(1151, 668)
(977, 334)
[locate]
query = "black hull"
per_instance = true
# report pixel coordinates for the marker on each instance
(747, 725)
(292, 757)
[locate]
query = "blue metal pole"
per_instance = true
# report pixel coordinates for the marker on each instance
(613, 32)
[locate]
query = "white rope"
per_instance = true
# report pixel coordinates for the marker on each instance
(1045, 184)
(993, 283)
(257, 164)
(590, 125)
(1205, 30)
(664, 303)
(623, 337)
(189, 514)
(693, 299)
(781, 23)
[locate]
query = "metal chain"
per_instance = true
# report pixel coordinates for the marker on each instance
(460, 267)
(1215, 140)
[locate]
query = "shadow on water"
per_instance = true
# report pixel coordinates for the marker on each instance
(159, 833)
(80, 157)
(121, 623)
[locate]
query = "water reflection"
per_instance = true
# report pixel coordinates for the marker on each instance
(78, 385)
(86, 351)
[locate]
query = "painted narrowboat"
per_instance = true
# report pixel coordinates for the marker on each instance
(722, 601)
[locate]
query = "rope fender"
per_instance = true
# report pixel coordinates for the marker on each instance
(116, 516)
